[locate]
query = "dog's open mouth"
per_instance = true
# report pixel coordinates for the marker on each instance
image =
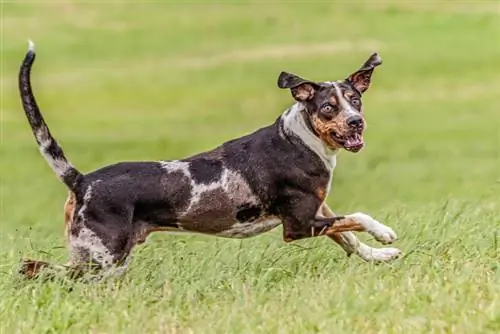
(352, 142)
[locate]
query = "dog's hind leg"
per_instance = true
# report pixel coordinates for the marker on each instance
(31, 268)
(352, 245)
(93, 256)
(100, 255)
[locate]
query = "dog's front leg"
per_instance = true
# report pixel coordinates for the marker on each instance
(304, 218)
(356, 222)
(347, 240)
(351, 244)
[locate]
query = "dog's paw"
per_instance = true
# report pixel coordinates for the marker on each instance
(370, 254)
(384, 234)
(31, 268)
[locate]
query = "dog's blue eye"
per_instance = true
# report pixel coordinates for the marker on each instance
(355, 102)
(327, 108)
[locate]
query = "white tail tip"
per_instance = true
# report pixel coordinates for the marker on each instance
(31, 46)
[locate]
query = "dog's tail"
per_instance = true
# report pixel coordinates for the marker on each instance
(49, 147)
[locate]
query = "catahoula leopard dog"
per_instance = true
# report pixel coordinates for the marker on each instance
(278, 175)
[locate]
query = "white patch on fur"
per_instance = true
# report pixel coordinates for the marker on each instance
(237, 188)
(86, 198)
(172, 166)
(352, 245)
(87, 241)
(346, 106)
(230, 182)
(176, 166)
(379, 231)
(59, 166)
(31, 46)
(371, 254)
(294, 123)
(250, 229)
(198, 189)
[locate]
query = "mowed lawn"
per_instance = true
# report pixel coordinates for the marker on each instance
(151, 80)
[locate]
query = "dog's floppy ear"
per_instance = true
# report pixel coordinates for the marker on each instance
(301, 89)
(361, 79)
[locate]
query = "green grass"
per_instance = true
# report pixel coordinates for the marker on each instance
(132, 81)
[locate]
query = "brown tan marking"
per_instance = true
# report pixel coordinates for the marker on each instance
(344, 225)
(31, 268)
(144, 230)
(324, 129)
(303, 92)
(69, 211)
(333, 100)
(348, 94)
(337, 236)
(321, 193)
(361, 79)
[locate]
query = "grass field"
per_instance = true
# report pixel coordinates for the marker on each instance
(150, 80)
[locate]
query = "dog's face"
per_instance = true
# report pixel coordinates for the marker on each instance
(334, 109)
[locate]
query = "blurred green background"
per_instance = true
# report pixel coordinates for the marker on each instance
(144, 80)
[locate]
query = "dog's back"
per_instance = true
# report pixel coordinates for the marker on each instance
(234, 190)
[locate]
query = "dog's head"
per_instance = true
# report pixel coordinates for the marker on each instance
(333, 109)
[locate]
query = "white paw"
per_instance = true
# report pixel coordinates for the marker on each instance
(384, 234)
(381, 232)
(370, 254)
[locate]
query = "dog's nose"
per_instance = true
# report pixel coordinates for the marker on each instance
(355, 121)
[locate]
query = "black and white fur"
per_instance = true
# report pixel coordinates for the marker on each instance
(277, 175)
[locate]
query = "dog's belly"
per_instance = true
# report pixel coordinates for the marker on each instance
(222, 221)
(250, 229)
(234, 229)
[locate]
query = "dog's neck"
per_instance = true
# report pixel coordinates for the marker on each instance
(294, 124)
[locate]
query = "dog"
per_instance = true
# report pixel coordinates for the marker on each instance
(278, 175)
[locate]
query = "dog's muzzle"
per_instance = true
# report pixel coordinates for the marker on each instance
(353, 141)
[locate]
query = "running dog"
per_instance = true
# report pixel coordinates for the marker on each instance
(278, 175)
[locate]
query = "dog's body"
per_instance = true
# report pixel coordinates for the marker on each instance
(280, 174)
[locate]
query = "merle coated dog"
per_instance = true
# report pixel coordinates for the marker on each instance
(277, 175)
